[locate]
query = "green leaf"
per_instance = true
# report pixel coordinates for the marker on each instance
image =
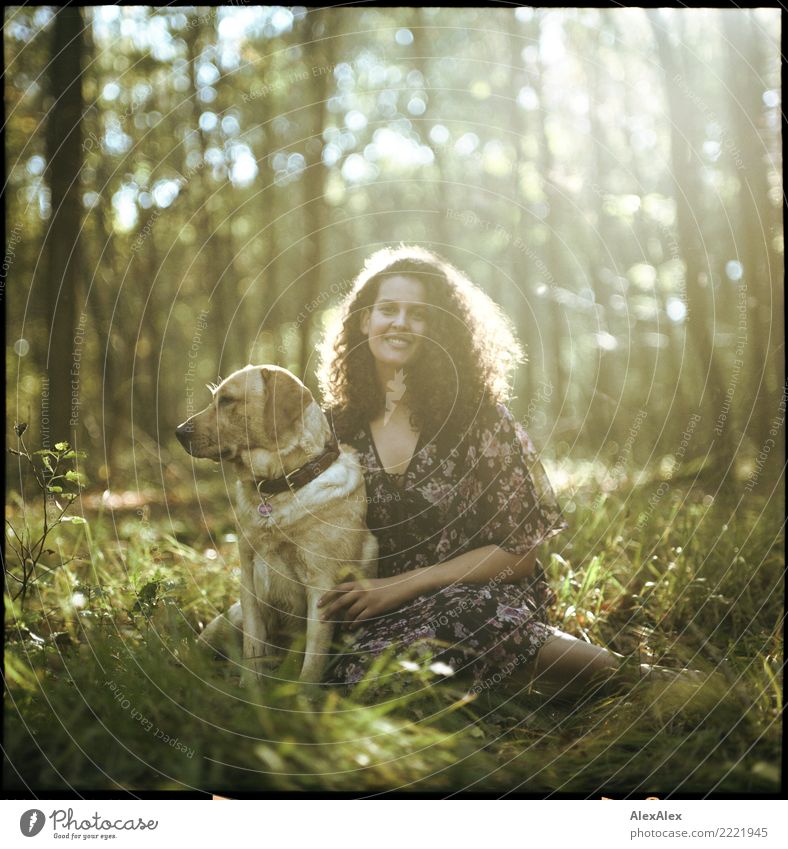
(62, 446)
(45, 451)
(72, 476)
(55, 488)
(75, 520)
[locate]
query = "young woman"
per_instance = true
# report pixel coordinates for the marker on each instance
(416, 377)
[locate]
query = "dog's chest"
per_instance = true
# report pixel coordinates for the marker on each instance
(279, 580)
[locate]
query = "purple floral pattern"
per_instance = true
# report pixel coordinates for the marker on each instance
(491, 489)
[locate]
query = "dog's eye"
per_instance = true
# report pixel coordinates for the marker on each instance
(224, 400)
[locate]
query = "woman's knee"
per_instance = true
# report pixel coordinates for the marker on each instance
(562, 654)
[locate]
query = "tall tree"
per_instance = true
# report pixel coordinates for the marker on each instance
(322, 36)
(606, 400)
(440, 189)
(519, 298)
(64, 250)
(685, 140)
(555, 331)
(750, 147)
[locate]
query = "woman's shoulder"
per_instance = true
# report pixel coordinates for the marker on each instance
(480, 425)
(496, 424)
(493, 416)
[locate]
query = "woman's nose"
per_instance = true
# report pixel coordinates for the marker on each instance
(400, 320)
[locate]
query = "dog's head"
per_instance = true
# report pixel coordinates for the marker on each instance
(259, 416)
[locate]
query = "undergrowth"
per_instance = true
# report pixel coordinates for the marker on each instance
(107, 691)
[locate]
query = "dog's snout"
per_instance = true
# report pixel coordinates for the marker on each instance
(184, 432)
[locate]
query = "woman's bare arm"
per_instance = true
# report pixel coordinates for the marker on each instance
(369, 597)
(479, 566)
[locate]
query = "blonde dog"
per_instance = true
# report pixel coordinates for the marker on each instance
(300, 506)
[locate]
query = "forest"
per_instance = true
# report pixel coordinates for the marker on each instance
(191, 189)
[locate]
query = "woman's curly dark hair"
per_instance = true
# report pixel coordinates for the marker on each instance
(463, 364)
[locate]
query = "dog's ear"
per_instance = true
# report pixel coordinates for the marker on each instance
(286, 401)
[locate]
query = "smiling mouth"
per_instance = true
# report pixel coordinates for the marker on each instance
(399, 342)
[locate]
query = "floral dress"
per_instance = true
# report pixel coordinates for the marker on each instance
(489, 489)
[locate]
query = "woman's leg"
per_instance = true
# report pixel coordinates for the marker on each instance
(567, 666)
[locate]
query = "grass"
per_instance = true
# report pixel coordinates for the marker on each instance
(106, 691)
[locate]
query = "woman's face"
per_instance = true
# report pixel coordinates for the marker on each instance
(397, 322)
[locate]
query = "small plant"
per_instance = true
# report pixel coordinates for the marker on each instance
(59, 485)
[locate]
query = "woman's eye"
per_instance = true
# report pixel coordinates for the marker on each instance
(416, 315)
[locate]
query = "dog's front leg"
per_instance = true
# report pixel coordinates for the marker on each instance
(256, 653)
(318, 637)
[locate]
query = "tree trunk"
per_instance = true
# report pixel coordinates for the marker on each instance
(606, 401)
(64, 164)
(553, 331)
(688, 193)
(443, 234)
(99, 288)
(520, 300)
(759, 222)
(321, 24)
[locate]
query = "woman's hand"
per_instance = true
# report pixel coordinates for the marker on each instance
(353, 601)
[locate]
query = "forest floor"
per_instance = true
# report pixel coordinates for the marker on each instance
(107, 692)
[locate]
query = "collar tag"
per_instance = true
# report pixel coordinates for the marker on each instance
(265, 509)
